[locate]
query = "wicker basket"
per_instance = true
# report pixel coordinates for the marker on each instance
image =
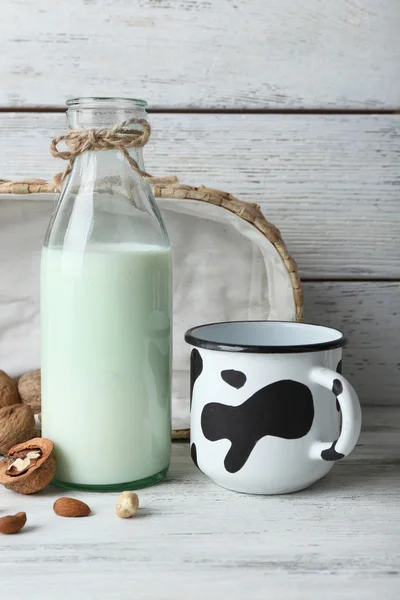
(246, 211)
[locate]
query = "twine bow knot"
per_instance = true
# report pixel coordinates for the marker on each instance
(119, 137)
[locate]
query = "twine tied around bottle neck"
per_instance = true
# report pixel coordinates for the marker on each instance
(119, 137)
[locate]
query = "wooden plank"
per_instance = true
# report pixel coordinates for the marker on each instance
(368, 313)
(338, 539)
(330, 183)
(198, 53)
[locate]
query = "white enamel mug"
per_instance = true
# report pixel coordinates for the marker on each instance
(270, 410)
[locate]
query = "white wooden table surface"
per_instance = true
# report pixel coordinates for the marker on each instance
(192, 539)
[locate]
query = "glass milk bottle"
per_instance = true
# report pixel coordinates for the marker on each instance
(106, 317)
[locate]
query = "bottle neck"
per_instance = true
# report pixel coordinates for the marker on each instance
(104, 200)
(94, 113)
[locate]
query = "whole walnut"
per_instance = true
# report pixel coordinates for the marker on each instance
(8, 391)
(17, 424)
(29, 387)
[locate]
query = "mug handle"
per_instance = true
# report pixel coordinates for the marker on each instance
(351, 415)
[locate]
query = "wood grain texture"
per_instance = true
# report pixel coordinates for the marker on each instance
(368, 313)
(200, 53)
(192, 539)
(330, 183)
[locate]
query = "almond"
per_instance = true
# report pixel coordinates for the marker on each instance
(70, 507)
(28, 467)
(8, 391)
(29, 387)
(12, 523)
(17, 424)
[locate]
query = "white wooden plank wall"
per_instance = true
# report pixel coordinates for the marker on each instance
(253, 71)
(203, 53)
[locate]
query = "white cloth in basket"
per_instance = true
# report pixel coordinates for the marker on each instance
(224, 270)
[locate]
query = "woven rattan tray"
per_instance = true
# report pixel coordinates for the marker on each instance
(249, 212)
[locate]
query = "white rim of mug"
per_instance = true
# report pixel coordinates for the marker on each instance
(193, 340)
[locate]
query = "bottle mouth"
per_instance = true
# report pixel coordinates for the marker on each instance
(106, 102)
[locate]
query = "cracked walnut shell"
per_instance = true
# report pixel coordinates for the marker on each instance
(29, 467)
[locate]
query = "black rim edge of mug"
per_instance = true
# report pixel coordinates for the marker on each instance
(191, 339)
